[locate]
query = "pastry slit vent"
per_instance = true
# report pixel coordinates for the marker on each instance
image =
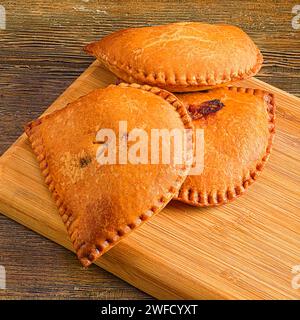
(85, 161)
(202, 110)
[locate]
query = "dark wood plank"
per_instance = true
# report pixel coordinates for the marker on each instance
(39, 268)
(41, 54)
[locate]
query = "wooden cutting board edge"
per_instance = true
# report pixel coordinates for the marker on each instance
(110, 261)
(155, 289)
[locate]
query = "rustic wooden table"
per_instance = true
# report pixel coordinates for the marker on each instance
(41, 54)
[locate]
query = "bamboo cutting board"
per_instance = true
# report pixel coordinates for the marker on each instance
(243, 250)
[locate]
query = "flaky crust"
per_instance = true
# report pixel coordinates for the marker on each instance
(237, 144)
(179, 57)
(100, 204)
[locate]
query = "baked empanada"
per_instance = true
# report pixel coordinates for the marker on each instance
(101, 203)
(239, 126)
(179, 57)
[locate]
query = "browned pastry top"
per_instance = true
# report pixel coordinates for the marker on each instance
(238, 126)
(178, 57)
(99, 204)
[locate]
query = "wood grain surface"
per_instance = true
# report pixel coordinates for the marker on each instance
(41, 54)
(243, 250)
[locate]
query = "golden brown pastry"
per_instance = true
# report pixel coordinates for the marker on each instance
(239, 126)
(100, 204)
(179, 57)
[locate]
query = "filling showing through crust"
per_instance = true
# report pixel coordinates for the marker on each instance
(198, 111)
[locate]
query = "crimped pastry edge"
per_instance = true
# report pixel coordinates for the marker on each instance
(218, 197)
(95, 251)
(172, 82)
